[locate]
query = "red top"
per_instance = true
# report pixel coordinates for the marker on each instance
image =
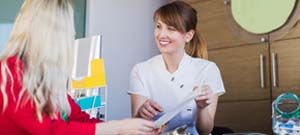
(23, 120)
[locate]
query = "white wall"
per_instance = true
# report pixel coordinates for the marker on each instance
(5, 30)
(127, 29)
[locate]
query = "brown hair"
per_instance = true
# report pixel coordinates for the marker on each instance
(184, 18)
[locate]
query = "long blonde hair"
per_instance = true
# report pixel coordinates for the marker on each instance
(42, 37)
(184, 18)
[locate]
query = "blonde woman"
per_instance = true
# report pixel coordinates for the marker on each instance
(35, 76)
(162, 82)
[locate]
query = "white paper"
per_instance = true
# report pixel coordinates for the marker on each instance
(169, 115)
(190, 97)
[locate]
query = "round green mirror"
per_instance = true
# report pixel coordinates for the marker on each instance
(261, 16)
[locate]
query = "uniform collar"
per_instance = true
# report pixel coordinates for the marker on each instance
(185, 60)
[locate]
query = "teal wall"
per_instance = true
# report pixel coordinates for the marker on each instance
(80, 15)
(10, 8)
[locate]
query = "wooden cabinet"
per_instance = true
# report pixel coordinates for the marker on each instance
(246, 106)
(286, 66)
(245, 116)
(249, 91)
(241, 71)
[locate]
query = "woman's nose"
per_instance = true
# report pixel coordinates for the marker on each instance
(163, 33)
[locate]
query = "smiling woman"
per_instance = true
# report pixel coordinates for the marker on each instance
(161, 83)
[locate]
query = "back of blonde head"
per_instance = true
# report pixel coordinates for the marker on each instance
(42, 37)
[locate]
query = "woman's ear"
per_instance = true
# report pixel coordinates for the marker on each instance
(189, 35)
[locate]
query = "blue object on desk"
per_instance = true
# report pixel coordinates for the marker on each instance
(86, 103)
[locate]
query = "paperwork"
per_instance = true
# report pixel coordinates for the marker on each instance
(169, 115)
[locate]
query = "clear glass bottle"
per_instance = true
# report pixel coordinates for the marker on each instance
(286, 114)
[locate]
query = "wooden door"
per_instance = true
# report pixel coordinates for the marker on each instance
(248, 116)
(286, 69)
(241, 74)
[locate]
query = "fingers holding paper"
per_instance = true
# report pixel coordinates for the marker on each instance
(205, 97)
(158, 131)
(149, 109)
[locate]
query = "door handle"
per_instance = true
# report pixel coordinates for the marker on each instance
(273, 64)
(261, 66)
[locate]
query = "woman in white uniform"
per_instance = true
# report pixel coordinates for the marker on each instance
(160, 83)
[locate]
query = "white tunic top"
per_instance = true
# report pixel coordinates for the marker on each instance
(152, 80)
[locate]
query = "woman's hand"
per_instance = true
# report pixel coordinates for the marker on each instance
(149, 109)
(205, 98)
(127, 127)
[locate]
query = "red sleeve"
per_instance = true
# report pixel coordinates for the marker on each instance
(24, 120)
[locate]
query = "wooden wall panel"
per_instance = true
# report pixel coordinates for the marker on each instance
(214, 26)
(293, 33)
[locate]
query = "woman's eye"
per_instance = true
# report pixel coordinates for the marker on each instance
(157, 26)
(172, 28)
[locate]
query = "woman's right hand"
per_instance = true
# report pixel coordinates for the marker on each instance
(149, 109)
(126, 127)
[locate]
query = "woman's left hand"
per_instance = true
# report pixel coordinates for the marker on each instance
(205, 98)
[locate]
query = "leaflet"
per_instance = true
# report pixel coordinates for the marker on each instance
(169, 115)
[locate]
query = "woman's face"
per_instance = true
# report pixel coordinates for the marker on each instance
(168, 39)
